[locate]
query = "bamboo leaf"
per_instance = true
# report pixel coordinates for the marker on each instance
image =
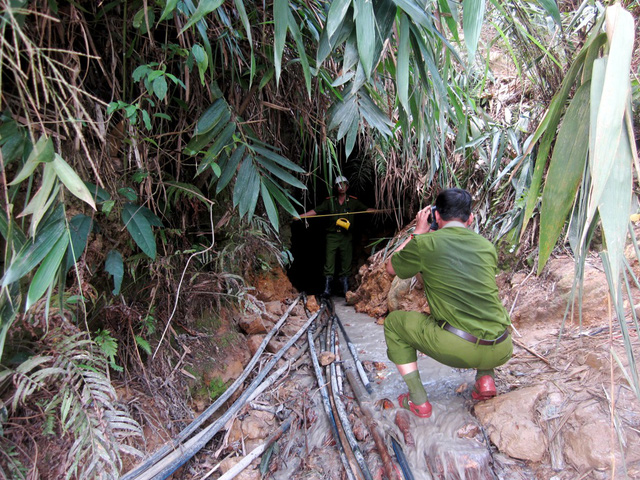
(211, 117)
(139, 228)
(415, 11)
(280, 196)
(205, 7)
(336, 16)
(279, 159)
(72, 181)
(169, 7)
(114, 266)
(279, 172)
(269, 206)
(32, 253)
(46, 274)
(302, 54)
(42, 152)
(230, 168)
(224, 139)
(366, 33)
(402, 72)
(245, 193)
(552, 9)
(565, 173)
(473, 16)
(615, 206)
(79, 228)
(615, 95)
(281, 23)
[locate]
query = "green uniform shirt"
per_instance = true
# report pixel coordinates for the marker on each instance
(458, 268)
(331, 205)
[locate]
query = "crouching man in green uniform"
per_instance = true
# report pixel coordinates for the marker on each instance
(467, 327)
(339, 232)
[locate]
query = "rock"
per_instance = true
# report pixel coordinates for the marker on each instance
(590, 439)
(407, 294)
(254, 342)
(252, 323)
(271, 285)
(231, 370)
(510, 420)
(459, 461)
(275, 308)
(312, 304)
(371, 296)
(544, 304)
(326, 358)
(249, 473)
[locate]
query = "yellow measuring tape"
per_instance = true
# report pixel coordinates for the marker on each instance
(344, 213)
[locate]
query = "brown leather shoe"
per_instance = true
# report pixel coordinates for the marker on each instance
(484, 389)
(422, 411)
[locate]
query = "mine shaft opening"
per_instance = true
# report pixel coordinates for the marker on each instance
(369, 231)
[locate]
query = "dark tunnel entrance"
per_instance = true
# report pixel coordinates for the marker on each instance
(308, 240)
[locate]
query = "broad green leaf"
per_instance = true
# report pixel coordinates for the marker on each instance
(352, 134)
(343, 112)
(565, 173)
(304, 60)
(9, 302)
(279, 159)
(415, 11)
(366, 33)
(139, 228)
(211, 117)
(205, 7)
(202, 61)
(547, 127)
(128, 193)
(279, 172)
(280, 196)
(169, 7)
(72, 181)
(11, 232)
(336, 16)
(42, 152)
(269, 206)
(198, 142)
(45, 276)
(79, 228)
(402, 71)
(114, 266)
(615, 206)
(281, 23)
(245, 193)
(160, 87)
(33, 252)
(374, 116)
(445, 11)
(224, 139)
(230, 168)
(552, 9)
(472, 18)
(39, 200)
(615, 96)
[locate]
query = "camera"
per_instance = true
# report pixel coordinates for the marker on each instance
(434, 224)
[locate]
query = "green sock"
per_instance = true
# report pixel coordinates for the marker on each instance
(416, 390)
(482, 373)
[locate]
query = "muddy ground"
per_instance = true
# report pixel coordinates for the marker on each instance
(565, 409)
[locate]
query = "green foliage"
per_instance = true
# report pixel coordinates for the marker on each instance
(109, 347)
(83, 400)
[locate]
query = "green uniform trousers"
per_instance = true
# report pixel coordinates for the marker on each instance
(338, 242)
(406, 332)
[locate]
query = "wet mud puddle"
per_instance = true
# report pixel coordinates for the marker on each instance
(450, 444)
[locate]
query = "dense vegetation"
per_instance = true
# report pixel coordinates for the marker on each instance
(149, 143)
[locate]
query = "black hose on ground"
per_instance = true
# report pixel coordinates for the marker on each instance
(204, 416)
(327, 407)
(359, 368)
(184, 452)
(402, 459)
(342, 412)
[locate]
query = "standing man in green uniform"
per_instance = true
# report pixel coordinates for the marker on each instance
(467, 327)
(339, 232)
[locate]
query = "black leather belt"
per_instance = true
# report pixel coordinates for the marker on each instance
(470, 338)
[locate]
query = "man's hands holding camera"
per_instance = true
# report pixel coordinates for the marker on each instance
(425, 220)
